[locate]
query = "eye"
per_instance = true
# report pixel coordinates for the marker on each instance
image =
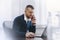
(30, 12)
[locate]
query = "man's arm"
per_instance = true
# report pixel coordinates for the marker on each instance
(32, 29)
(16, 27)
(33, 22)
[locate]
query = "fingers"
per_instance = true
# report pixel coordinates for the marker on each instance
(27, 34)
(33, 18)
(30, 35)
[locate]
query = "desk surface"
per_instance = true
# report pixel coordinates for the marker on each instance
(24, 39)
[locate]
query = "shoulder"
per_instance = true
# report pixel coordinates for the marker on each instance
(19, 18)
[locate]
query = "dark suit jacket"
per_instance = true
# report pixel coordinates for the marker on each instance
(19, 25)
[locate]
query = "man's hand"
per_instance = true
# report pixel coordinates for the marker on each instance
(30, 35)
(33, 20)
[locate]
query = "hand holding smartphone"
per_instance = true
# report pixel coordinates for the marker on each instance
(33, 20)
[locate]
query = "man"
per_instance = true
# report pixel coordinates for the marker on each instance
(26, 22)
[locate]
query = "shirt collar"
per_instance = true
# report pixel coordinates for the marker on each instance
(26, 19)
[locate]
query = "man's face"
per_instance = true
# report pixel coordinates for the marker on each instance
(29, 12)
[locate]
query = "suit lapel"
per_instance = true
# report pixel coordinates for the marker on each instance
(24, 21)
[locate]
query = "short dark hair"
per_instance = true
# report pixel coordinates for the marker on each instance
(29, 6)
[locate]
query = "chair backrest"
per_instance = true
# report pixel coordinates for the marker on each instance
(8, 24)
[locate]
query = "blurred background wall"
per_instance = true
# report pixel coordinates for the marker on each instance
(5, 11)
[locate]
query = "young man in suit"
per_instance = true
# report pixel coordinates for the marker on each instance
(25, 24)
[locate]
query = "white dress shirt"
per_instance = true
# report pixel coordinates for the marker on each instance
(26, 19)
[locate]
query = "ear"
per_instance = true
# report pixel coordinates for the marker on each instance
(25, 10)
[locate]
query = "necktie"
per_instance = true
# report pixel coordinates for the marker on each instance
(28, 25)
